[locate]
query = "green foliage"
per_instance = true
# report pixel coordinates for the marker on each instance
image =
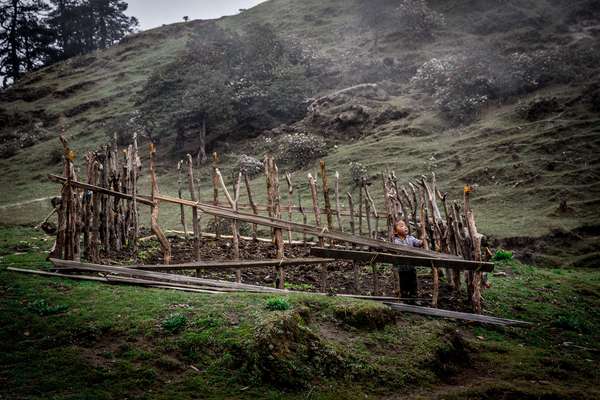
(174, 323)
(502, 255)
(226, 82)
(572, 322)
(42, 308)
(277, 304)
(299, 286)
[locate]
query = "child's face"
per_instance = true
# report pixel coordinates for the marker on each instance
(401, 229)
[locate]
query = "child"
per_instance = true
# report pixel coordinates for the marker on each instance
(407, 273)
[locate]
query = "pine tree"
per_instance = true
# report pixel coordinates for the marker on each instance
(24, 38)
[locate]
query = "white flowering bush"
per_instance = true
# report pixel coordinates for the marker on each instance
(358, 172)
(299, 149)
(250, 166)
(462, 85)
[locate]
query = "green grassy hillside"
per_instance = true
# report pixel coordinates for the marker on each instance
(523, 165)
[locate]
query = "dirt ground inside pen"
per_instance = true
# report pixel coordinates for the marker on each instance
(340, 274)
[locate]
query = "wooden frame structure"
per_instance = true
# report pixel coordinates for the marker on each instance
(105, 208)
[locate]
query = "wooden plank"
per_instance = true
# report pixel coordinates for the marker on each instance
(233, 264)
(164, 277)
(372, 257)
(114, 279)
(436, 312)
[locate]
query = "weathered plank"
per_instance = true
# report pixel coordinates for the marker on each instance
(234, 264)
(436, 312)
(372, 257)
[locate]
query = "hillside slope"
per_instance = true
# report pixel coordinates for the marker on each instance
(526, 152)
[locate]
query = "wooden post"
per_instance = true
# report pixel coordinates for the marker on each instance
(252, 205)
(134, 173)
(476, 243)
(313, 193)
(391, 220)
(288, 178)
(436, 222)
(215, 182)
(233, 202)
(374, 211)
(304, 217)
(326, 198)
(164, 243)
(180, 194)
(360, 206)
(338, 206)
(194, 197)
(275, 211)
(355, 265)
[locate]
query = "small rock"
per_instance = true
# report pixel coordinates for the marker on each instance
(501, 273)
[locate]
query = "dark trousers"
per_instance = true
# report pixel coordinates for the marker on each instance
(408, 281)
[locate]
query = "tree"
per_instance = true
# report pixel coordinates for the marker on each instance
(24, 38)
(83, 26)
(226, 83)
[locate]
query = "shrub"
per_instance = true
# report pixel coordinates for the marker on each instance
(174, 323)
(42, 308)
(502, 255)
(277, 304)
(250, 166)
(358, 172)
(299, 149)
(418, 19)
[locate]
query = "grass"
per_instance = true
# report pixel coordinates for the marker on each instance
(66, 339)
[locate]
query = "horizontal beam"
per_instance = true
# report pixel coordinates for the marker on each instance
(436, 312)
(368, 256)
(233, 264)
(308, 229)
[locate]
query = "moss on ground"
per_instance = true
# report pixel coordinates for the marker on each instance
(109, 341)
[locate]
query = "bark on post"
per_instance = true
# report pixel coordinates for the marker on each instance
(288, 178)
(315, 202)
(327, 201)
(164, 243)
(194, 197)
(275, 211)
(360, 206)
(304, 217)
(252, 205)
(180, 194)
(134, 173)
(338, 206)
(476, 243)
(353, 230)
(215, 182)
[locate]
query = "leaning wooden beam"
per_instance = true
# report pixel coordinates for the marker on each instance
(194, 196)
(233, 264)
(370, 256)
(161, 276)
(436, 312)
(114, 279)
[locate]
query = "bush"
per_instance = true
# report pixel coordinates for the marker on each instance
(358, 172)
(502, 255)
(250, 166)
(418, 19)
(42, 308)
(277, 304)
(462, 85)
(299, 149)
(174, 323)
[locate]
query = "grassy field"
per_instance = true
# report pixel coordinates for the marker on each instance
(64, 339)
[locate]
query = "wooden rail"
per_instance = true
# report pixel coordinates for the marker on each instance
(234, 264)
(372, 257)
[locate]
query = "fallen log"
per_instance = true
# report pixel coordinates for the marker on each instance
(436, 312)
(372, 257)
(234, 264)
